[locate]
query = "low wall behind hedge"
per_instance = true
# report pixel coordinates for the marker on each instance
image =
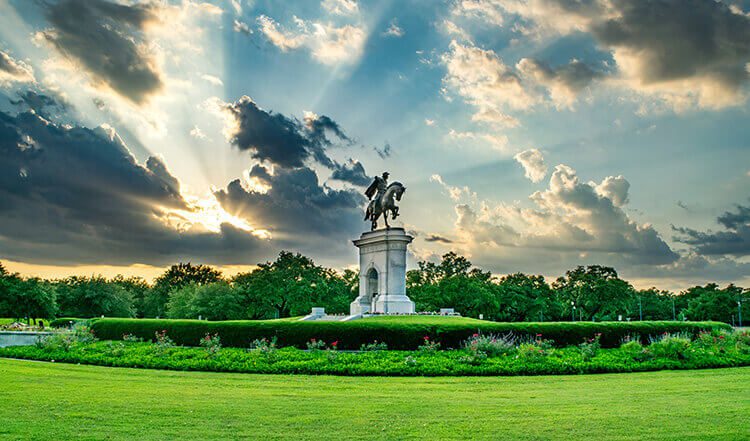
(397, 334)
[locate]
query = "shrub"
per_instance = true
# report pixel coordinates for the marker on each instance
(401, 333)
(673, 346)
(67, 322)
(211, 343)
(491, 345)
(263, 345)
(429, 345)
(374, 347)
(531, 352)
(590, 347)
(315, 344)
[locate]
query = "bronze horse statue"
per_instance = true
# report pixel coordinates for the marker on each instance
(385, 204)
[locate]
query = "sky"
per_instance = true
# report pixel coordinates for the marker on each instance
(532, 136)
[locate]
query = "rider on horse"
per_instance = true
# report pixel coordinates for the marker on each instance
(375, 193)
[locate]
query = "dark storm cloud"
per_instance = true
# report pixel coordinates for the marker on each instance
(104, 38)
(437, 238)
(352, 172)
(281, 140)
(72, 195)
(39, 102)
(296, 204)
(734, 240)
(679, 39)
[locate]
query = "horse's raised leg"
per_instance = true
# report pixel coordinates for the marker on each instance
(374, 218)
(395, 212)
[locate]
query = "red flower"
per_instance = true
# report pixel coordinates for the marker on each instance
(334, 344)
(475, 335)
(721, 337)
(426, 337)
(539, 335)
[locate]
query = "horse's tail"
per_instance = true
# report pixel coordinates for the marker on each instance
(367, 212)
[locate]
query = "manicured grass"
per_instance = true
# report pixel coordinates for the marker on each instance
(62, 402)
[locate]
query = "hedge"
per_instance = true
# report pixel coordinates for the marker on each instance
(64, 322)
(397, 334)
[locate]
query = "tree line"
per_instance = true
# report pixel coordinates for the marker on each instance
(292, 284)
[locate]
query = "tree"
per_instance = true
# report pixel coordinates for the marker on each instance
(654, 304)
(138, 289)
(214, 301)
(597, 293)
(290, 286)
(175, 277)
(92, 297)
(453, 283)
(711, 303)
(30, 298)
(526, 298)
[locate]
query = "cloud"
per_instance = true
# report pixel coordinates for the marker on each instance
(455, 193)
(341, 7)
(490, 11)
(105, 39)
(92, 202)
(40, 103)
(571, 221)
(216, 81)
(385, 152)
(686, 52)
(241, 27)
(276, 138)
(437, 238)
(353, 172)
(295, 205)
(563, 83)
(12, 70)
(197, 133)
(394, 30)
(498, 142)
(734, 240)
(327, 43)
(532, 162)
(484, 81)
(682, 54)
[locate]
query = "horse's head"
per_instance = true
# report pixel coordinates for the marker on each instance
(396, 189)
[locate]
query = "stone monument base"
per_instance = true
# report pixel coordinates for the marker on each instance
(382, 273)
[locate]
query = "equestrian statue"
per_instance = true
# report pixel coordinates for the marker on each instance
(383, 197)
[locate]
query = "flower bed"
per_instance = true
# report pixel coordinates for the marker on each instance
(480, 355)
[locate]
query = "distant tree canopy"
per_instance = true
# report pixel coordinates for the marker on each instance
(292, 284)
(177, 276)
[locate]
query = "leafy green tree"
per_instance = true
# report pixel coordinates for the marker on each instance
(177, 276)
(709, 302)
(214, 301)
(290, 286)
(453, 283)
(30, 298)
(655, 304)
(92, 297)
(597, 293)
(138, 288)
(526, 298)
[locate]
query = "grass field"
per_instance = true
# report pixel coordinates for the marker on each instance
(53, 401)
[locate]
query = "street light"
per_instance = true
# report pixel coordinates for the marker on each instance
(573, 311)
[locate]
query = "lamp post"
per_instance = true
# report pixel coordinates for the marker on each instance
(573, 311)
(674, 316)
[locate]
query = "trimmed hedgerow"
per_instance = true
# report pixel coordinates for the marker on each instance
(398, 333)
(66, 322)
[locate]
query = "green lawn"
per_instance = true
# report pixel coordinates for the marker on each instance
(53, 401)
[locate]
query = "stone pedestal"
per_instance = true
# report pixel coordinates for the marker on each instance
(382, 273)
